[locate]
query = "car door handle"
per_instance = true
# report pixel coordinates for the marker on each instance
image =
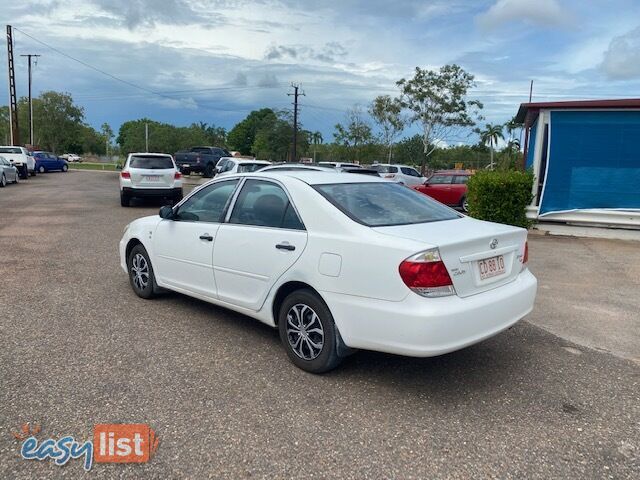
(285, 246)
(206, 237)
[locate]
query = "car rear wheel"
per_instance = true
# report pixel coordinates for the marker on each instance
(141, 272)
(209, 170)
(3, 181)
(65, 168)
(464, 204)
(308, 332)
(124, 200)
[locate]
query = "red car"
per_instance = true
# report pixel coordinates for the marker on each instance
(448, 187)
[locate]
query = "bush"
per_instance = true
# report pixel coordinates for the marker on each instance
(500, 196)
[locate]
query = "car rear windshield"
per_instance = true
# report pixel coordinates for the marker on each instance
(10, 150)
(386, 169)
(151, 162)
(384, 204)
(249, 167)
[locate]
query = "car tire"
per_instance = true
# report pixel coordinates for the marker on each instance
(17, 179)
(209, 170)
(41, 169)
(33, 173)
(308, 332)
(24, 172)
(141, 276)
(65, 168)
(124, 200)
(3, 181)
(464, 204)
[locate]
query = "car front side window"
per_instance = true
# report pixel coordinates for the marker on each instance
(208, 204)
(265, 204)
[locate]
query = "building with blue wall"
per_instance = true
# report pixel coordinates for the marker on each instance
(585, 156)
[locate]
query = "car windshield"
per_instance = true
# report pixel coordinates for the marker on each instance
(384, 204)
(152, 162)
(249, 167)
(10, 150)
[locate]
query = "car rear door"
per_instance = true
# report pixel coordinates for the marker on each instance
(262, 239)
(458, 188)
(439, 188)
(183, 246)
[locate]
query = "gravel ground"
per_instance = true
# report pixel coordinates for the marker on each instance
(77, 348)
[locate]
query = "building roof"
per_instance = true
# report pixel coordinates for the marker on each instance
(529, 111)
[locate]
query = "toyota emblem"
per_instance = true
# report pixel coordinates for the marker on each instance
(494, 244)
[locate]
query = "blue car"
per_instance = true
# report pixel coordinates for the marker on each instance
(46, 162)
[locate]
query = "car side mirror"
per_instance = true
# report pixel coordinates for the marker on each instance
(166, 212)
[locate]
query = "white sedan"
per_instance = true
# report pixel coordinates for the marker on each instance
(336, 262)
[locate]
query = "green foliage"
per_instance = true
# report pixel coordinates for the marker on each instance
(243, 135)
(273, 139)
(500, 196)
(355, 133)
(166, 138)
(387, 113)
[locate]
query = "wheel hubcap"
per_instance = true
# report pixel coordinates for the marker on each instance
(304, 331)
(140, 271)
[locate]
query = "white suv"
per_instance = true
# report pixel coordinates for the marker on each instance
(20, 158)
(229, 165)
(150, 175)
(403, 174)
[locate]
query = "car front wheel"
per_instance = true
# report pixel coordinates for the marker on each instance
(308, 332)
(465, 205)
(141, 272)
(65, 168)
(41, 169)
(3, 181)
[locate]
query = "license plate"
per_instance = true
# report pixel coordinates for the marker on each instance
(491, 267)
(151, 178)
(185, 165)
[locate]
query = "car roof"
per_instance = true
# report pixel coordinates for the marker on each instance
(262, 162)
(318, 178)
(452, 172)
(149, 154)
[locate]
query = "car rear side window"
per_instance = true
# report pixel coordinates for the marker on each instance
(384, 204)
(208, 204)
(10, 150)
(440, 179)
(461, 179)
(387, 169)
(151, 162)
(265, 204)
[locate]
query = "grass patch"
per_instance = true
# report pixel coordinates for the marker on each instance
(93, 166)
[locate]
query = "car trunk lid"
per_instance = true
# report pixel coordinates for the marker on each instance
(479, 256)
(152, 178)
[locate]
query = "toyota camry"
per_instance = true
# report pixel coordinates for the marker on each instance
(337, 262)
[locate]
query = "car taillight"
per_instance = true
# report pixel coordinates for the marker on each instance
(177, 176)
(426, 274)
(124, 174)
(525, 256)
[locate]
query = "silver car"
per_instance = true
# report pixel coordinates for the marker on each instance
(8, 173)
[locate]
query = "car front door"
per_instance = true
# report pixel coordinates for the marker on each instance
(439, 188)
(262, 239)
(183, 245)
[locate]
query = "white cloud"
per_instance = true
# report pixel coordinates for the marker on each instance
(539, 12)
(622, 58)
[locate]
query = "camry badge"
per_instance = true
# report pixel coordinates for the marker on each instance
(494, 244)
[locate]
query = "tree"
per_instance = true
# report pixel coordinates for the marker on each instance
(273, 138)
(437, 101)
(57, 119)
(490, 136)
(387, 113)
(107, 133)
(243, 135)
(355, 133)
(316, 139)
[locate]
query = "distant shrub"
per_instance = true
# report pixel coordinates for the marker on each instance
(500, 196)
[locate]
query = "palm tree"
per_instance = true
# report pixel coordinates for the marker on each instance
(490, 136)
(316, 139)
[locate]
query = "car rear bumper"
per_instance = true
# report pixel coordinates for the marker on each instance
(191, 168)
(425, 327)
(152, 192)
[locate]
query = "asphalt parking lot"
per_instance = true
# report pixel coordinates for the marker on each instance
(77, 347)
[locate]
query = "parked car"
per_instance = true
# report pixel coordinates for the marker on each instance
(71, 157)
(448, 187)
(8, 172)
(150, 175)
(339, 164)
(47, 162)
(20, 158)
(231, 165)
(295, 252)
(295, 167)
(403, 174)
(200, 160)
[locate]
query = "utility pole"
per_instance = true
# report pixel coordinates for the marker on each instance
(29, 56)
(14, 133)
(295, 94)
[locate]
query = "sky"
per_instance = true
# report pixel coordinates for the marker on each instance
(216, 60)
